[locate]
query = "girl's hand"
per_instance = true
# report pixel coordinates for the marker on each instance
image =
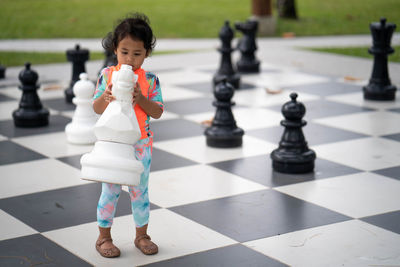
(137, 94)
(107, 95)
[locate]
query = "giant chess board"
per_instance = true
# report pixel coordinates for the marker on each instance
(209, 206)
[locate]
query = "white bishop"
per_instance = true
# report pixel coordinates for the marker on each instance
(117, 130)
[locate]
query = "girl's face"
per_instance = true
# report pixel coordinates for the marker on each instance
(131, 52)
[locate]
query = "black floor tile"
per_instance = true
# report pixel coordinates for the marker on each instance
(259, 169)
(162, 160)
(58, 104)
(13, 153)
(389, 221)
(55, 209)
(393, 172)
(175, 129)
(395, 137)
(57, 123)
(258, 215)
(74, 161)
(4, 98)
(315, 134)
(327, 89)
(36, 250)
(232, 256)
(322, 108)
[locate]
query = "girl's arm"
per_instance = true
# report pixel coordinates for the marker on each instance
(150, 107)
(101, 103)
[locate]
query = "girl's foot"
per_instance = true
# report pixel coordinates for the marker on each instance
(145, 245)
(143, 241)
(106, 248)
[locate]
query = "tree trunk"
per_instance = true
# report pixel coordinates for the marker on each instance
(287, 9)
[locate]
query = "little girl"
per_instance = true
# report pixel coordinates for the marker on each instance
(132, 41)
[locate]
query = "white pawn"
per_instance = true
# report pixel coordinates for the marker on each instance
(81, 130)
(112, 159)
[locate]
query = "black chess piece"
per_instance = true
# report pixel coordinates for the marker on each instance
(226, 69)
(247, 47)
(223, 132)
(2, 72)
(78, 57)
(293, 154)
(379, 87)
(30, 112)
(110, 59)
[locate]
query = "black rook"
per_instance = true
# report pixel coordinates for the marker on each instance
(30, 112)
(226, 68)
(293, 154)
(379, 87)
(223, 132)
(78, 57)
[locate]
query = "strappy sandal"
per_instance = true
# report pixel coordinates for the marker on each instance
(147, 250)
(107, 252)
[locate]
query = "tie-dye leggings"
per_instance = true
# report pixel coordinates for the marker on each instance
(139, 194)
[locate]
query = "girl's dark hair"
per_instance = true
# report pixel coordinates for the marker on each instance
(137, 26)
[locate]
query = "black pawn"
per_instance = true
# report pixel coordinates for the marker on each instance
(293, 154)
(226, 69)
(78, 57)
(247, 47)
(30, 112)
(223, 132)
(379, 87)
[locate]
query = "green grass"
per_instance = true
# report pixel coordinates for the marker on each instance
(359, 52)
(183, 18)
(335, 17)
(10, 59)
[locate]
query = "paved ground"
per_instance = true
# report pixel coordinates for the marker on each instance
(216, 207)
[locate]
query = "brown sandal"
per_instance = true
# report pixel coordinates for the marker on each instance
(147, 250)
(107, 252)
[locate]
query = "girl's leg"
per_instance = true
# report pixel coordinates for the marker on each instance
(105, 215)
(140, 198)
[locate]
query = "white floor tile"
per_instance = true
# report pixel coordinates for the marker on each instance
(15, 228)
(260, 98)
(357, 99)
(367, 154)
(278, 80)
(194, 148)
(370, 123)
(351, 243)
(52, 145)
(36, 176)
(357, 195)
(7, 108)
(196, 183)
(172, 93)
(3, 138)
(175, 235)
(246, 118)
(184, 76)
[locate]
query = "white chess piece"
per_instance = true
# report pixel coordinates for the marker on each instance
(81, 130)
(117, 130)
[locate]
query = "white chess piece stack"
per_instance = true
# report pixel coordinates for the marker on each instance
(117, 130)
(81, 130)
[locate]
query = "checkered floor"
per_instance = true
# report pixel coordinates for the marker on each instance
(215, 207)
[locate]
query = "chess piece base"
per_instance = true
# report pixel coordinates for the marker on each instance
(29, 119)
(80, 134)
(224, 138)
(248, 67)
(287, 162)
(379, 93)
(113, 163)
